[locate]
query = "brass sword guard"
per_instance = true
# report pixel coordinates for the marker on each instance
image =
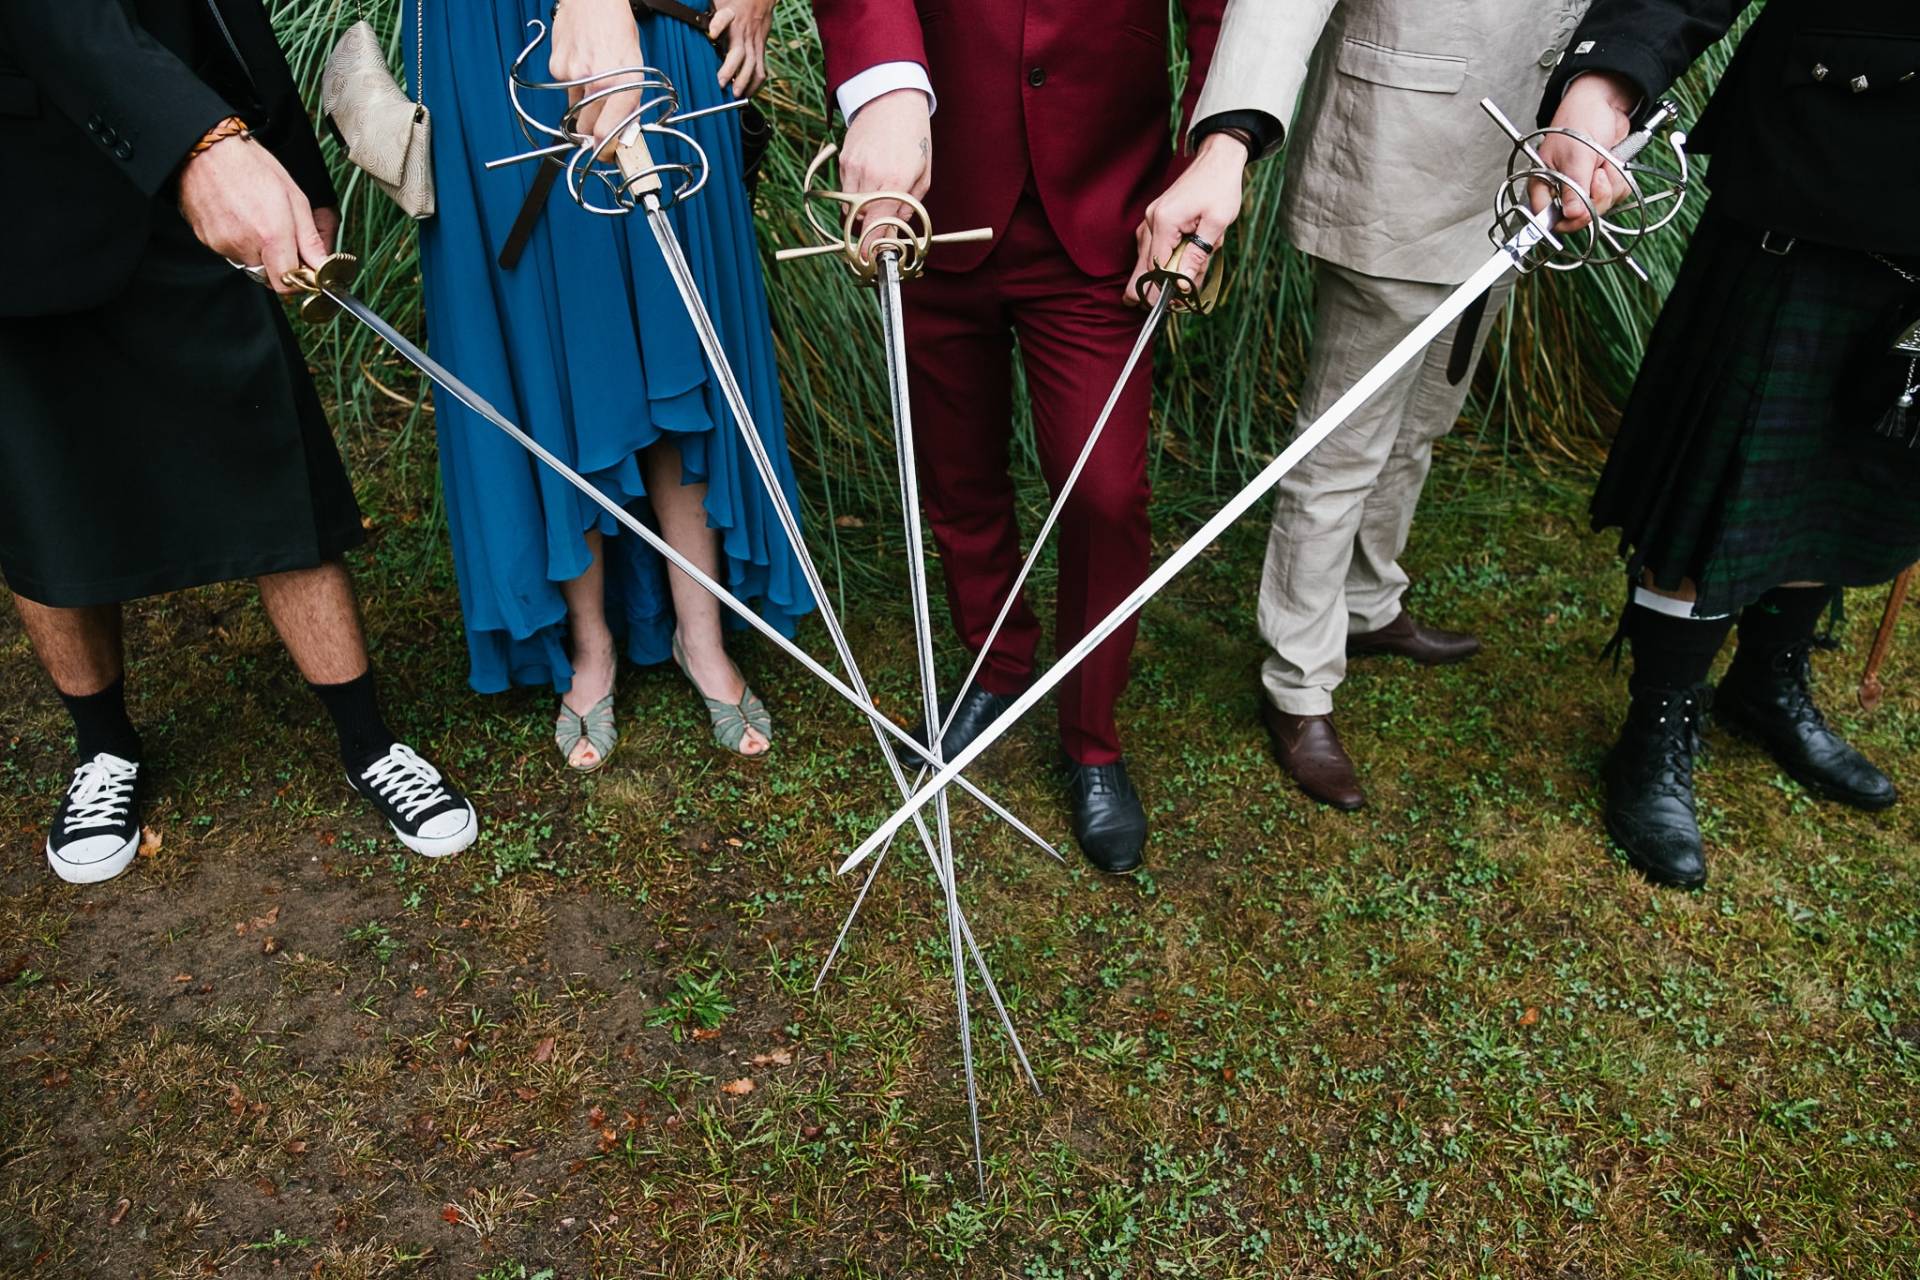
(907, 239)
(337, 272)
(1188, 298)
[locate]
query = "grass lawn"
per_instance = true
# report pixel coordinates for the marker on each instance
(1449, 1035)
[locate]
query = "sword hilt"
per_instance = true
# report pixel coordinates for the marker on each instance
(335, 274)
(1186, 296)
(909, 239)
(1656, 194)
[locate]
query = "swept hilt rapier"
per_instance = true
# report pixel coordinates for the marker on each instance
(860, 241)
(613, 180)
(1656, 194)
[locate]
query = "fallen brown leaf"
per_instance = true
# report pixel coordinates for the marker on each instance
(543, 1051)
(849, 522)
(150, 841)
(777, 1058)
(1530, 1017)
(450, 1213)
(744, 1085)
(119, 1212)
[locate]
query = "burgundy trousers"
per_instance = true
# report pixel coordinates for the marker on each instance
(1074, 335)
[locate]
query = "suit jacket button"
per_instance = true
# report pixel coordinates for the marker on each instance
(108, 137)
(124, 151)
(1037, 77)
(95, 124)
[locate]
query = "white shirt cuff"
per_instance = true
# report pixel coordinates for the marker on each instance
(881, 78)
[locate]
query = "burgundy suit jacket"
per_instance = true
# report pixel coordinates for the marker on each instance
(1074, 92)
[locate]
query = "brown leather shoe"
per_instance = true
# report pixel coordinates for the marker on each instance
(1310, 751)
(1406, 638)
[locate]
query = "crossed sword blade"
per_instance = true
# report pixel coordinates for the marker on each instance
(1512, 255)
(855, 695)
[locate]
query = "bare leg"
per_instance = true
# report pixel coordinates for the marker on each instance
(80, 648)
(681, 509)
(318, 621)
(594, 663)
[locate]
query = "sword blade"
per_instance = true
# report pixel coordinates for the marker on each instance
(1504, 260)
(696, 308)
(444, 378)
(892, 322)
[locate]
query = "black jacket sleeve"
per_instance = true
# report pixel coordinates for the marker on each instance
(138, 102)
(1650, 42)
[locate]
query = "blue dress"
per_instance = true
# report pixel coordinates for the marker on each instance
(586, 345)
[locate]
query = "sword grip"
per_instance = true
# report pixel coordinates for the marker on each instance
(636, 163)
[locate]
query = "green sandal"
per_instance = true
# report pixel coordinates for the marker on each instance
(730, 720)
(595, 727)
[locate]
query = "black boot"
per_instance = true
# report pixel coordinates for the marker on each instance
(977, 710)
(1649, 779)
(1767, 695)
(1108, 819)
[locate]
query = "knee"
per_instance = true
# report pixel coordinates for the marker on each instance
(1109, 504)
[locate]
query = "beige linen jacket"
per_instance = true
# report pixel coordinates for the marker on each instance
(1392, 167)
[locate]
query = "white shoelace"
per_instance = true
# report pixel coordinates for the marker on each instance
(100, 793)
(406, 782)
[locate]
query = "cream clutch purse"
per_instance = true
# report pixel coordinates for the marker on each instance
(386, 133)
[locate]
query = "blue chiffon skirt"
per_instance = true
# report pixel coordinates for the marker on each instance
(586, 345)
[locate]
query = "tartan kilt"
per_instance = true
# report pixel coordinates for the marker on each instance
(1747, 456)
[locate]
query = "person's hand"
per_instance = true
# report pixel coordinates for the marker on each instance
(326, 220)
(243, 206)
(591, 37)
(745, 24)
(1203, 202)
(889, 147)
(1600, 105)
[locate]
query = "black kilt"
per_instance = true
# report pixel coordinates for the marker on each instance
(169, 438)
(1747, 456)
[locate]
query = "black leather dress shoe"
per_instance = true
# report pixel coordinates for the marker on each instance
(1769, 698)
(1649, 780)
(1108, 819)
(977, 710)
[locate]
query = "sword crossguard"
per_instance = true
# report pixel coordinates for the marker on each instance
(908, 239)
(612, 179)
(315, 284)
(1185, 296)
(1656, 193)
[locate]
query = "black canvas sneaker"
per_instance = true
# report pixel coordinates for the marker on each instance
(96, 832)
(429, 816)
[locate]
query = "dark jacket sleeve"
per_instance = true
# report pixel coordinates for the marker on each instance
(138, 102)
(1650, 42)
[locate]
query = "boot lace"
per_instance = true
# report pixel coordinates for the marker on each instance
(1672, 721)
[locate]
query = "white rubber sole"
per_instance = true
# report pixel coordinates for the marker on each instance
(95, 872)
(444, 846)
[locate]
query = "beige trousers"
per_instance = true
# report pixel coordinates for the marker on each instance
(1341, 518)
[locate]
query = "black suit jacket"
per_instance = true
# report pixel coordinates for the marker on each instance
(1814, 130)
(100, 102)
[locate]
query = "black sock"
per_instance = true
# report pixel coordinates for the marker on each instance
(1781, 619)
(1671, 653)
(364, 736)
(100, 723)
